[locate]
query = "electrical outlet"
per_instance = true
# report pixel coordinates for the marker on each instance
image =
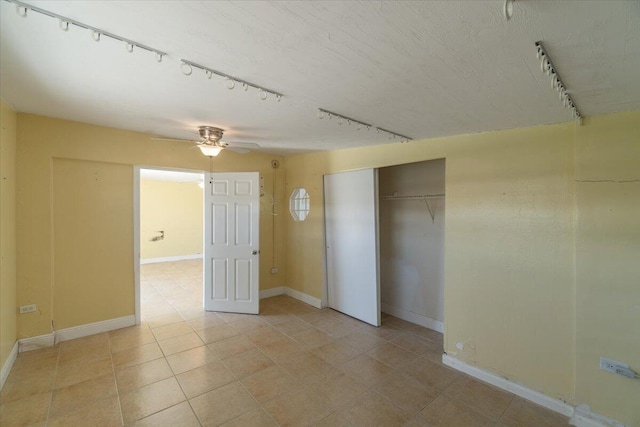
(274, 270)
(612, 365)
(27, 308)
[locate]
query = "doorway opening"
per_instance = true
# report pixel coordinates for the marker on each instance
(412, 208)
(169, 244)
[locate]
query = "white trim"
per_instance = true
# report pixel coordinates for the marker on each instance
(49, 340)
(273, 292)
(169, 258)
(583, 417)
(35, 343)
(8, 364)
(136, 244)
(412, 317)
(285, 290)
(313, 301)
(94, 328)
(510, 386)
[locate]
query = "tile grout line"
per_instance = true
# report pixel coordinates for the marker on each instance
(115, 380)
(53, 383)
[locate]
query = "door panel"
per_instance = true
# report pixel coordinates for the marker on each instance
(351, 231)
(232, 247)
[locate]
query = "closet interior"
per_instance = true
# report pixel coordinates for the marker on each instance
(411, 238)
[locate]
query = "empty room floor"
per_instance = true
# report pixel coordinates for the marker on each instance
(291, 365)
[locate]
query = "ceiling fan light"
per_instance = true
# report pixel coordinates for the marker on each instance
(210, 150)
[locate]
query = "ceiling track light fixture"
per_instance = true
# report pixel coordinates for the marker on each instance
(263, 93)
(64, 23)
(547, 67)
(186, 66)
(508, 9)
(360, 125)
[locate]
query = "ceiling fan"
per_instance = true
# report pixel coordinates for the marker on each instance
(211, 145)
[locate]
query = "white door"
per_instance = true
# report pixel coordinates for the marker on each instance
(231, 251)
(351, 232)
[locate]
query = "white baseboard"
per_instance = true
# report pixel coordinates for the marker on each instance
(94, 328)
(412, 317)
(285, 290)
(273, 292)
(170, 259)
(48, 340)
(312, 301)
(35, 343)
(510, 386)
(583, 417)
(8, 364)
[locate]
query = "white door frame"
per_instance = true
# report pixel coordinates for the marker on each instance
(136, 227)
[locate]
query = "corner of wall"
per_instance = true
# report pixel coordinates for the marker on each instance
(8, 285)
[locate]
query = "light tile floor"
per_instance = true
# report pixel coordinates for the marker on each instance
(292, 365)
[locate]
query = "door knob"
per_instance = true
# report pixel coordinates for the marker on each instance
(255, 252)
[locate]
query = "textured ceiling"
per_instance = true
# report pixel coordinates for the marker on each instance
(422, 69)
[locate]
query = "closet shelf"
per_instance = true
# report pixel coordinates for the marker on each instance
(424, 197)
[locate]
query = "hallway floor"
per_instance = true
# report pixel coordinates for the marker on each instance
(291, 365)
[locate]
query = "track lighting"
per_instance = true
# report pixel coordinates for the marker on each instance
(508, 9)
(349, 120)
(556, 82)
(96, 33)
(263, 92)
(21, 6)
(186, 68)
(130, 45)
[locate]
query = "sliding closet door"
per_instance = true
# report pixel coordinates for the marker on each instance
(351, 231)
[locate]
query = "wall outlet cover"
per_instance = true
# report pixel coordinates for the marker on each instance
(27, 308)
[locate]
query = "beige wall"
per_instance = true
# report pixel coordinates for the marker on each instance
(176, 209)
(8, 307)
(75, 151)
(510, 239)
(92, 244)
(608, 263)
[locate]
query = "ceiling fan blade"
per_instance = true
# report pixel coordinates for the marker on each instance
(244, 145)
(159, 138)
(237, 149)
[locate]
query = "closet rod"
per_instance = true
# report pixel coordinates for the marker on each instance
(423, 196)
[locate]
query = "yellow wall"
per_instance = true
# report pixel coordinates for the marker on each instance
(92, 244)
(75, 151)
(510, 233)
(7, 231)
(176, 209)
(608, 263)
